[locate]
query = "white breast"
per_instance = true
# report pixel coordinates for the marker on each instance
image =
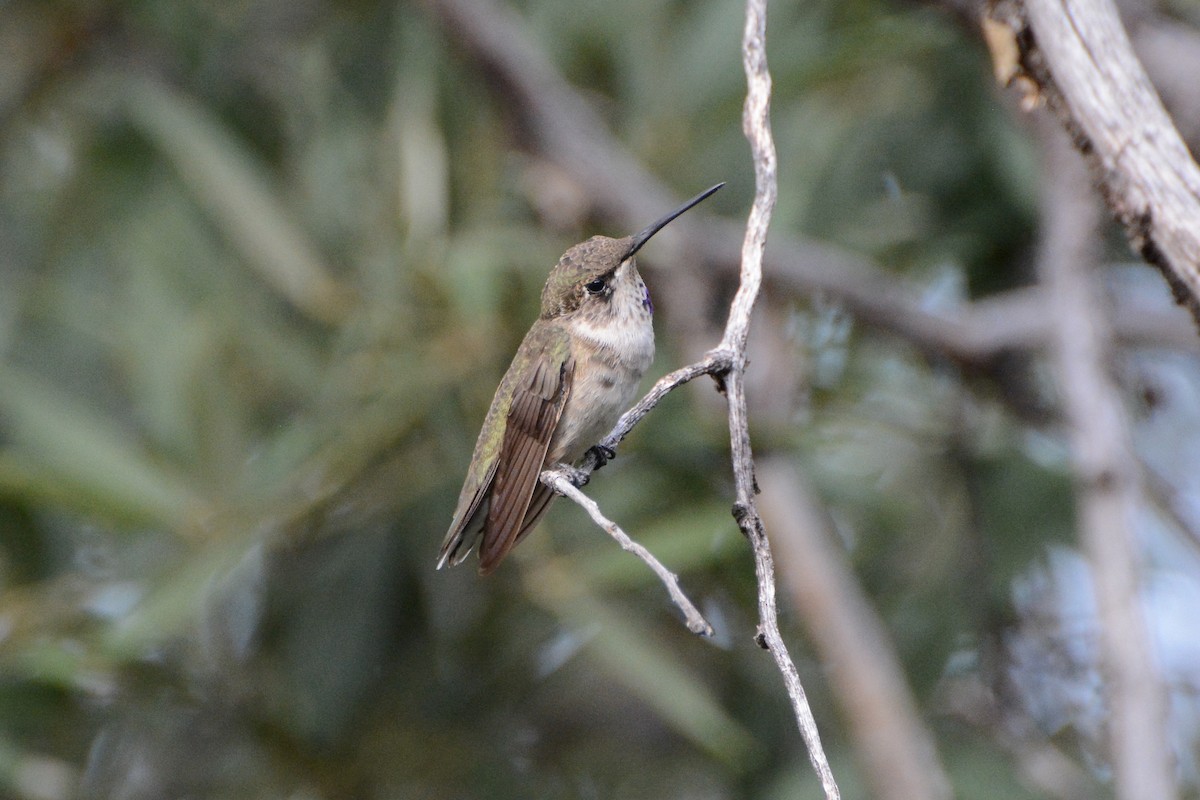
(631, 342)
(608, 370)
(611, 356)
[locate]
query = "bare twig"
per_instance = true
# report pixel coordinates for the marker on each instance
(756, 124)
(559, 481)
(1075, 55)
(1109, 493)
(895, 748)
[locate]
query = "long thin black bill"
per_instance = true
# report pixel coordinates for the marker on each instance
(643, 237)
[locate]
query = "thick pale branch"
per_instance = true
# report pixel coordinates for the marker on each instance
(1075, 55)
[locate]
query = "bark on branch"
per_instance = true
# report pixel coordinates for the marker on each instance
(1075, 56)
(756, 124)
(560, 481)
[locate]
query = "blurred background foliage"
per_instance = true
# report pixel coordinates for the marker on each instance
(262, 264)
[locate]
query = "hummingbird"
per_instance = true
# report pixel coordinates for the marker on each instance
(573, 375)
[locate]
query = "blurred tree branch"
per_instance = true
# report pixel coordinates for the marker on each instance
(1044, 765)
(1108, 490)
(896, 750)
(1074, 55)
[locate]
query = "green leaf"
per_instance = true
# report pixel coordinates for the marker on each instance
(230, 185)
(64, 450)
(635, 658)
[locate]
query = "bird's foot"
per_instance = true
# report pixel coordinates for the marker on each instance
(602, 455)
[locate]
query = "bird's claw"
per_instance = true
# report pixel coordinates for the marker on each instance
(602, 455)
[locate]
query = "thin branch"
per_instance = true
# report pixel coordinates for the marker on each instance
(715, 363)
(756, 124)
(1074, 55)
(1108, 490)
(559, 481)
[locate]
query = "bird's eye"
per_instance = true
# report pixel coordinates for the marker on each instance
(595, 286)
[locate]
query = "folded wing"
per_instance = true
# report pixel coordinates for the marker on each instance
(533, 416)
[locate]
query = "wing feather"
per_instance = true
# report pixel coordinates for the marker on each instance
(538, 505)
(467, 524)
(532, 419)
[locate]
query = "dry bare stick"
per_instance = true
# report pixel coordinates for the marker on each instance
(756, 124)
(894, 747)
(716, 363)
(561, 483)
(1108, 490)
(1075, 55)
